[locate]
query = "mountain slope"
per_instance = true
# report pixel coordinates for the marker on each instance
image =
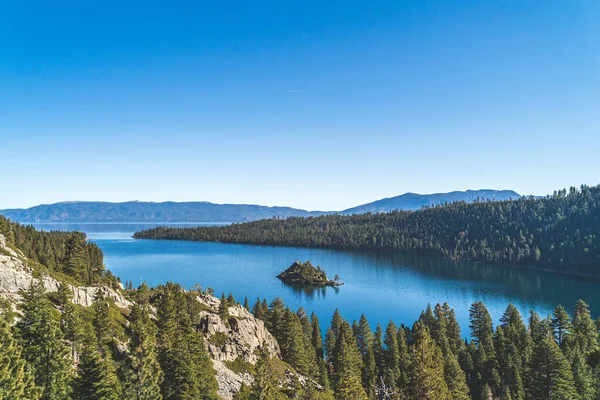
(414, 201)
(201, 211)
(137, 211)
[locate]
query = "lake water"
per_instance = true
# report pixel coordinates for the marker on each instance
(382, 286)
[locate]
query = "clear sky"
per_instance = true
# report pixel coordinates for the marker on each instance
(312, 104)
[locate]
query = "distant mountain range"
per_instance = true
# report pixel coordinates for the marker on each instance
(139, 211)
(414, 201)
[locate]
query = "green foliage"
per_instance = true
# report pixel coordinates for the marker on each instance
(560, 232)
(58, 253)
(218, 339)
(39, 334)
(16, 379)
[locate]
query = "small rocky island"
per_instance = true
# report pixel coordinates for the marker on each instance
(307, 274)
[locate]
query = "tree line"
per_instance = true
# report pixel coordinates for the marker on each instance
(541, 358)
(560, 232)
(58, 350)
(60, 254)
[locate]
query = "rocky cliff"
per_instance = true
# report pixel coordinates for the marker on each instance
(237, 339)
(16, 276)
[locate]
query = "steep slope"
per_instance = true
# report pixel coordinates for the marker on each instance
(137, 211)
(414, 201)
(231, 342)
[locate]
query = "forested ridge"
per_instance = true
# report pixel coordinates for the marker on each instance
(54, 349)
(66, 253)
(560, 232)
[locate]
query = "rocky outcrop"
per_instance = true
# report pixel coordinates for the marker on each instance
(240, 336)
(16, 276)
(230, 382)
(245, 336)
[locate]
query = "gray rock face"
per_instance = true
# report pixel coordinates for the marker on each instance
(16, 276)
(245, 335)
(230, 382)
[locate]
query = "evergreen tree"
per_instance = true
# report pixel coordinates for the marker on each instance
(16, 380)
(292, 343)
(39, 334)
(257, 310)
(103, 325)
(224, 309)
(329, 344)
(70, 324)
(246, 304)
(347, 366)
(74, 262)
(147, 375)
(583, 377)
(274, 319)
(427, 367)
(560, 324)
(317, 338)
(96, 377)
(378, 349)
(585, 333)
(391, 356)
(549, 377)
(265, 382)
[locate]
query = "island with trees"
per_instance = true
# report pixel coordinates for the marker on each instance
(307, 274)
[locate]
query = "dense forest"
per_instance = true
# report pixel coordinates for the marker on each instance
(57, 350)
(54, 349)
(559, 232)
(62, 254)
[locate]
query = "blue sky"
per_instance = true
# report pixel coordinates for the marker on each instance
(312, 104)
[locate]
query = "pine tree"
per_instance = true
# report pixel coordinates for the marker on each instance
(16, 380)
(404, 358)
(485, 362)
(549, 377)
(147, 375)
(74, 262)
(265, 382)
(364, 342)
(391, 356)
(585, 333)
(378, 349)
(231, 300)
(292, 345)
(70, 324)
(317, 338)
(583, 377)
(274, 318)
(560, 324)
(188, 371)
(224, 309)
(427, 367)
(246, 304)
(96, 377)
(329, 344)
(347, 366)
(39, 334)
(257, 310)
(103, 325)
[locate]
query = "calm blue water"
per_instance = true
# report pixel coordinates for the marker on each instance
(383, 286)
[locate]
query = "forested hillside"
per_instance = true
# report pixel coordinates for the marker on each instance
(68, 253)
(560, 232)
(156, 349)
